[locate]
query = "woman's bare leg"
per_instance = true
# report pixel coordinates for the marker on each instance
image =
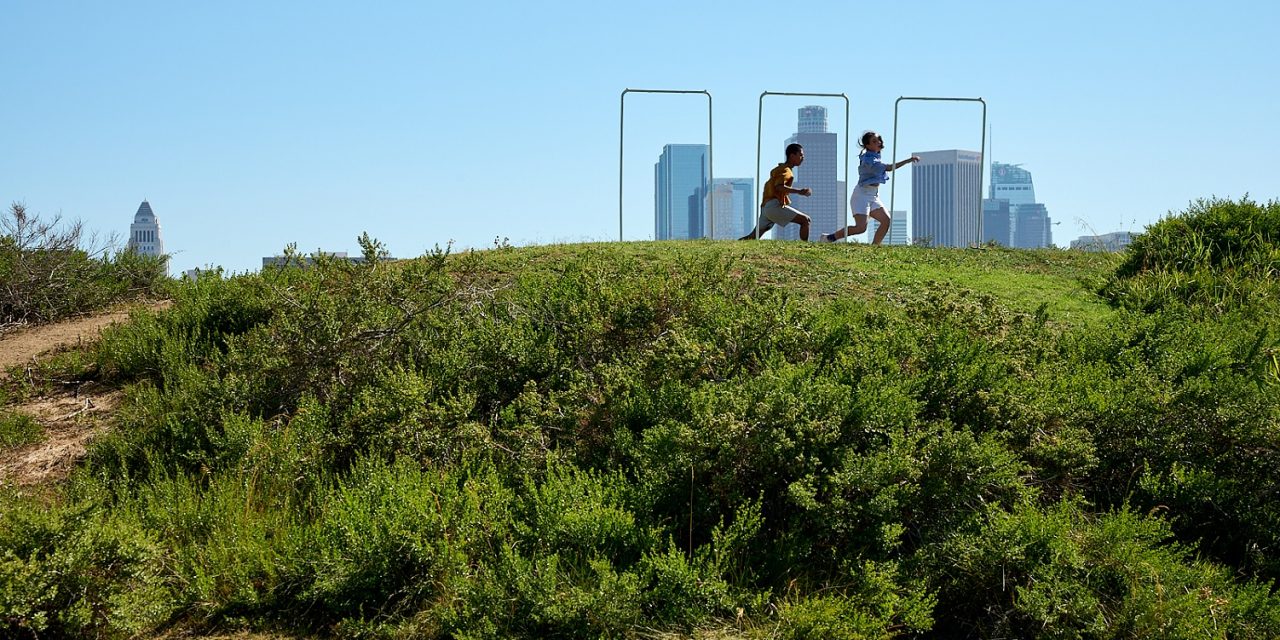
(859, 225)
(883, 218)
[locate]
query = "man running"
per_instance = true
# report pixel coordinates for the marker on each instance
(775, 207)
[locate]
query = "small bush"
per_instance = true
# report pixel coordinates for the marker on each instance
(17, 429)
(78, 572)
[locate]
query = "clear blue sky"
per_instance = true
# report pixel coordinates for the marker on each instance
(251, 125)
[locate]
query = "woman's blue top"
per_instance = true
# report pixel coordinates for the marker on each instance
(871, 171)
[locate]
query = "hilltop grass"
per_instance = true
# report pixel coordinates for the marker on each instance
(749, 440)
(1064, 282)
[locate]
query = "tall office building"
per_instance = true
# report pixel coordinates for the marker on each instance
(734, 203)
(811, 119)
(946, 197)
(1012, 183)
(997, 221)
(144, 234)
(1032, 227)
(897, 229)
(679, 192)
(826, 206)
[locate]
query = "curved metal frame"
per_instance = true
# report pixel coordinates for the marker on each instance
(982, 154)
(622, 119)
(760, 134)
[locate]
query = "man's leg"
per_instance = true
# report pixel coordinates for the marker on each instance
(802, 220)
(762, 227)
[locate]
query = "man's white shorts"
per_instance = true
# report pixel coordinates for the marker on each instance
(777, 213)
(865, 199)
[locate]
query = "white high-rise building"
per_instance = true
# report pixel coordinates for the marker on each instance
(946, 197)
(144, 234)
(734, 203)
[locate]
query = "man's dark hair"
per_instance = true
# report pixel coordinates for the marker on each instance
(792, 148)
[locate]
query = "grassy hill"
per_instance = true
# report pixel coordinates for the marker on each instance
(721, 440)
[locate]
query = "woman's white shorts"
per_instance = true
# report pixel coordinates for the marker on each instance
(865, 199)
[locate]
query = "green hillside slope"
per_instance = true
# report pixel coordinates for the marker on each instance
(720, 440)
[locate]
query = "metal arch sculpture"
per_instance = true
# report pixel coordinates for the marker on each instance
(760, 133)
(622, 119)
(982, 153)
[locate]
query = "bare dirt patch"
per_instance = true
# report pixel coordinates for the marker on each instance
(71, 414)
(71, 417)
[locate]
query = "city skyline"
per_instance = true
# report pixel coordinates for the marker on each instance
(249, 128)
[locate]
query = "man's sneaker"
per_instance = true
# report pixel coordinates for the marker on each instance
(827, 237)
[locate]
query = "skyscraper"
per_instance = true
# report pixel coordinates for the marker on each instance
(1013, 183)
(735, 207)
(811, 119)
(144, 234)
(946, 197)
(826, 206)
(679, 192)
(1032, 230)
(997, 221)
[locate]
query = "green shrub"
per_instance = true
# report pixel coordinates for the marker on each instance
(1060, 573)
(607, 441)
(1218, 254)
(79, 572)
(17, 429)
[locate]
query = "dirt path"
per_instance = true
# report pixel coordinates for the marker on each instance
(71, 414)
(22, 345)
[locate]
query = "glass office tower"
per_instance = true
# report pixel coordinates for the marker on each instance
(679, 192)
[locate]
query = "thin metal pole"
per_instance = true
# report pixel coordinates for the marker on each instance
(760, 134)
(622, 119)
(982, 154)
(711, 176)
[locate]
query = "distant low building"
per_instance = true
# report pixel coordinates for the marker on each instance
(1114, 241)
(310, 259)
